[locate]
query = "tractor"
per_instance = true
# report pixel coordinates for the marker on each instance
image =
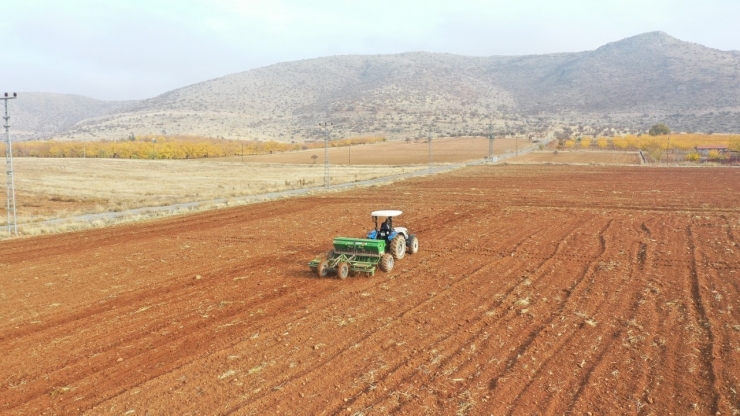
(382, 246)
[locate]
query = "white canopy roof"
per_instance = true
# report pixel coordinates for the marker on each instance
(386, 213)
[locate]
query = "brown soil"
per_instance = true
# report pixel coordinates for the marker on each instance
(444, 150)
(537, 289)
(596, 157)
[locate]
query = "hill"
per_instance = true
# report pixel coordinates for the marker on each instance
(38, 114)
(631, 83)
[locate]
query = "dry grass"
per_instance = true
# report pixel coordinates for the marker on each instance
(61, 188)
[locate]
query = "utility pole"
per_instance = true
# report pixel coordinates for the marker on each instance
(667, 146)
(9, 168)
(326, 125)
(490, 139)
(430, 151)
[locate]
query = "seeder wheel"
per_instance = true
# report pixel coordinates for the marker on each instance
(323, 269)
(342, 270)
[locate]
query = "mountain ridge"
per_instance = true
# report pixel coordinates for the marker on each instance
(629, 83)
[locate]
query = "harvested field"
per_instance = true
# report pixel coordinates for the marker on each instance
(595, 157)
(538, 289)
(444, 150)
(58, 188)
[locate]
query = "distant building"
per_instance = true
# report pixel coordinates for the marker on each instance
(704, 149)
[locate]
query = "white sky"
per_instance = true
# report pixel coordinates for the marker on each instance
(135, 49)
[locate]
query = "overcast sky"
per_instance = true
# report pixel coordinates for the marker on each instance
(133, 49)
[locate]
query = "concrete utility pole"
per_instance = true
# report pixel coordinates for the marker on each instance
(12, 227)
(430, 152)
(490, 139)
(326, 151)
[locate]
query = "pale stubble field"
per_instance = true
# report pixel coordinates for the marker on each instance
(59, 188)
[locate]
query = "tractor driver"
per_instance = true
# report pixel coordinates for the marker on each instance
(386, 226)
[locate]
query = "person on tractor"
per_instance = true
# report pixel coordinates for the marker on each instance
(387, 225)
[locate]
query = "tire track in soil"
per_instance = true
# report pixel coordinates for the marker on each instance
(129, 300)
(708, 349)
(641, 254)
(402, 315)
(604, 339)
(207, 352)
(660, 336)
(719, 285)
(133, 334)
(512, 393)
(518, 340)
(472, 328)
(433, 299)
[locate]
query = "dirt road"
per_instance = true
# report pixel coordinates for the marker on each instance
(537, 289)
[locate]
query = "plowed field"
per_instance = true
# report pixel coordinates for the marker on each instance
(606, 157)
(537, 290)
(444, 150)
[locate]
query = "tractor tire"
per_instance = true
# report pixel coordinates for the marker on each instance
(342, 270)
(413, 245)
(398, 247)
(386, 262)
(323, 269)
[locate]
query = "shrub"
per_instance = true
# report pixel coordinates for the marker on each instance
(714, 155)
(659, 130)
(693, 157)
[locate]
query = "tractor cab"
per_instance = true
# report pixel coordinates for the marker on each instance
(384, 230)
(397, 239)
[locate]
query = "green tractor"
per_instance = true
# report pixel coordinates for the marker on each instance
(384, 244)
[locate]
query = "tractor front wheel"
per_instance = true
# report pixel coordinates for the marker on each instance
(413, 245)
(342, 270)
(323, 269)
(386, 262)
(398, 247)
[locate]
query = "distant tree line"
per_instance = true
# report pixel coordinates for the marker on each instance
(167, 147)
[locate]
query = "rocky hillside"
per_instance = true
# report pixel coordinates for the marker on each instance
(38, 114)
(631, 84)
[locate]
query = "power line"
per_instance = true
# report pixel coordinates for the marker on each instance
(326, 151)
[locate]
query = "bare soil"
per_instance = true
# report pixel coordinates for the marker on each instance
(537, 290)
(444, 150)
(586, 156)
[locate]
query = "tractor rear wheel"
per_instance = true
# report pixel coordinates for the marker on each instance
(323, 269)
(398, 247)
(342, 270)
(386, 262)
(413, 245)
